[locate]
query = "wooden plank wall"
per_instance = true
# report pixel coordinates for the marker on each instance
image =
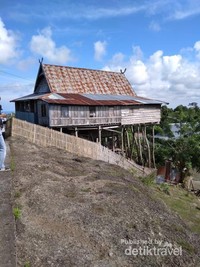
(43, 120)
(141, 116)
(80, 115)
(44, 136)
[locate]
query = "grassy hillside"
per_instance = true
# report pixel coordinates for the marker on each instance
(73, 211)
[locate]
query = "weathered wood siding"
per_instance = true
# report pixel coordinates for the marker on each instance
(140, 115)
(26, 116)
(54, 115)
(104, 115)
(43, 113)
(82, 115)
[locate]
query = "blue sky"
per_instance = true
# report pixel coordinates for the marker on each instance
(157, 41)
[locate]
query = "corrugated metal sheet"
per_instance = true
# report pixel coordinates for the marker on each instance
(78, 99)
(108, 97)
(89, 99)
(62, 79)
(141, 100)
(28, 97)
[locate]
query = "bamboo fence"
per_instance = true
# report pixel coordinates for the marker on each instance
(44, 136)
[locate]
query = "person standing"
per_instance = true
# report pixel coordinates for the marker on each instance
(2, 147)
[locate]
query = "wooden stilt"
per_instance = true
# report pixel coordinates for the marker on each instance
(76, 132)
(128, 152)
(153, 147)
(99, 134)
(122, 140)
(148, 146)
(113, 142)
(140, 147)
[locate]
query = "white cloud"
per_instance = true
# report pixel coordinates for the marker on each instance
(197, 46)
(197, 49)
(188, 9)
(99, 50)
(8, 45)
(43, 45)
(137, 72)
(26, 64)
(11, 89)
(171, 78)
(154, 26)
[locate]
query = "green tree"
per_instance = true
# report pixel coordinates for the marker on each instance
(184, 151)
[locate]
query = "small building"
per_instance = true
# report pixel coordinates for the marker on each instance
(85, 102)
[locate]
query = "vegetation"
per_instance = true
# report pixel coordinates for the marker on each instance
(177, 138)
(148, 180)
(12, 164)
(165, 188)
(183, 148)
(17, 194)
(184, 204)
(17, 213)
(27, 264)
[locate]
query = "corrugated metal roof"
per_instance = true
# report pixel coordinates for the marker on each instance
(108, 97)
(28, 97)
(62, 79)
(97, 100)
(123, 98)
(89, 99)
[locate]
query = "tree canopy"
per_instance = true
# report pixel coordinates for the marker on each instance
(182, 147)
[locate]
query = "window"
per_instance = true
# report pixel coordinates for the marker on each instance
(43, 110)
(92, 111)
(131, 110)
(64, 111)
(32, 109)
(27, 106)
(111, 111)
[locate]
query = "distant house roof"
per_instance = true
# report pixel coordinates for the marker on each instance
(63, 79)
(89, 99)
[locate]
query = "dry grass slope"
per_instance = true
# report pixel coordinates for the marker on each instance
(75, 212)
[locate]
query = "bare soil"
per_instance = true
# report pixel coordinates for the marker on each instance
(81, 212)
(7, 223)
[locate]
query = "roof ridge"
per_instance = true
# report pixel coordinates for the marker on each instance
(81, 68)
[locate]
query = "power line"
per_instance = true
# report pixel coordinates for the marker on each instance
(17, 76)
(15, 86)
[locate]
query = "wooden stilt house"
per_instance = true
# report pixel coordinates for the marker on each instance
(88, 102)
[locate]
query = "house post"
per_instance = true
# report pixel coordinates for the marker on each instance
(153, 147)
(122, 140)
(113, 142)
(76, 131)
(100, 133)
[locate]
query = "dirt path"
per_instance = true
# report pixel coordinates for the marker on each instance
(7, 224)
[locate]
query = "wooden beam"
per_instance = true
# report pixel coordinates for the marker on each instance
(76, 132)
(122, 139)
(111, 130)
(153, 147)
(99, 134)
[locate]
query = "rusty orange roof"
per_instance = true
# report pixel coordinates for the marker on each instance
(85, 100)
(90, 99)
(62, 79)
